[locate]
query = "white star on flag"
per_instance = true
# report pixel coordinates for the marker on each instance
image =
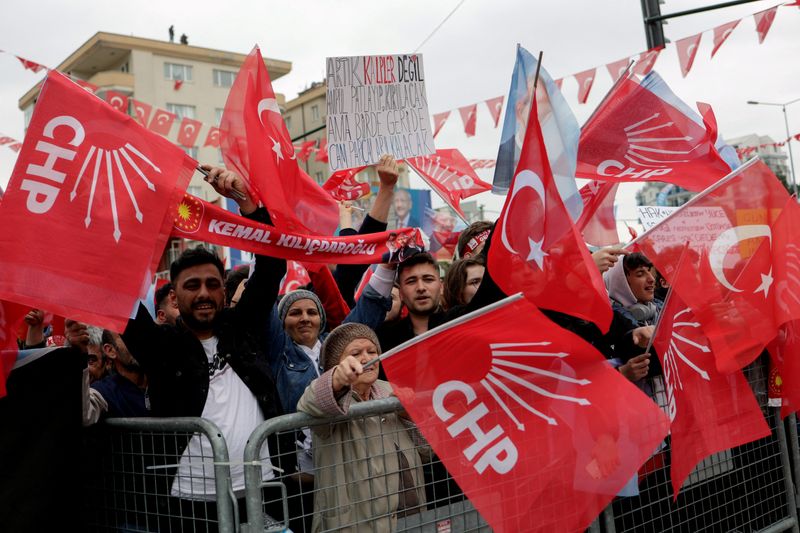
(766, 283)
(536, 253)
(276, 147)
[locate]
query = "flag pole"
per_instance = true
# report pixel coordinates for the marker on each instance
(449, 325)
(706, 191)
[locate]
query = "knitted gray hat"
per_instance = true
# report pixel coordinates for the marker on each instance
(300, 294)
(339, 338)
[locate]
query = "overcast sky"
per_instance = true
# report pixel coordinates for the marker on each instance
(468, 60)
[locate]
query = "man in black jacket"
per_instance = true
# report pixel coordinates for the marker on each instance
(212, 363)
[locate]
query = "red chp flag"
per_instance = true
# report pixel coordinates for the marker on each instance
(709, 411)
(117, 100)
(142, 112)
(636, 135)
(536, 248)
(597, 222)
(162, 122)
(257, 146)
(342, 185)
(101, 189)
(520, 412)
(449, 174)
(731, 234)
(188, 132)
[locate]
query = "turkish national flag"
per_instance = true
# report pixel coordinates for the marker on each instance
(342, 185)
(162, 122)
(91, 190)
(256, 145)
(322, 151)
(764, 21)
(296, 277)
(721, 34)
(709, 411)
(16, 146)
(617, 68)
(449, 174)
(438, 121)
(495, 105)
(687, 50)
(142, 112)
(597, 222)
(305, 150)
(117, 100)
(89, 87)
(732, 240)
(585, 81)
(212, 139)
(177, 85)
(188, 132)
(536, 248)
(31, 65)
(531, 421)
(636, 135)
(469, 116)
(646, 62)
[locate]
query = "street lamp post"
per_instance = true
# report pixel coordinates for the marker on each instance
(788, 138)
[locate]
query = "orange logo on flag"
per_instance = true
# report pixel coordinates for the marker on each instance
(189, 214)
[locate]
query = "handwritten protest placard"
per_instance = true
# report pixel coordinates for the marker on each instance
(650, 215)
(376, 105)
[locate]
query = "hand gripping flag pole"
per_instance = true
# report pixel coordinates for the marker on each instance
(237, 193)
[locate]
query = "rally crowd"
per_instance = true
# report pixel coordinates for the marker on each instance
(224, 346)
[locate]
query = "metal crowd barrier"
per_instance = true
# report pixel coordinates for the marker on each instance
(746, 489)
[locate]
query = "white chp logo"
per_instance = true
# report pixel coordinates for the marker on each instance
(679, 341)
(443, 173)
(651, 151)
(110, 164)
(493, 448)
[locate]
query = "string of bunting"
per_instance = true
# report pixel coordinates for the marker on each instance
(686, 49)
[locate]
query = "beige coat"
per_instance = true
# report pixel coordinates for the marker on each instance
(356, 462)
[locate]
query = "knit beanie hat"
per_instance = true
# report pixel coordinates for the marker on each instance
(339, 338)
(300, 294)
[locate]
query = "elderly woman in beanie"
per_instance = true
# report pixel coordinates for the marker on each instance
(298, 327)
(368, 471)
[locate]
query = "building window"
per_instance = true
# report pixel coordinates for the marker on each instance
(314, 112)
(125, 67)
(191, 152)
(223, 78)
(174, 71)
(288, 122)
(182, 111)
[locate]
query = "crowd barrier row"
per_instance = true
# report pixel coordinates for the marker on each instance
(132, 485)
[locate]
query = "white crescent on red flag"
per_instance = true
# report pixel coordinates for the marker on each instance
(142, 112)
(89, 179)
(469, 116)
(322, 151)
(764, 20)
(709, 411)
(450, 175)
(520, 413)
(438, 122)
(257, 146)
(212, 138)
(296, 277)
(161, 122)
(646, 62)
(117, 100)
(495, 106)
(618, 68)
(687, 50)
(721, 34)
(585, 81)
(188, 132)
